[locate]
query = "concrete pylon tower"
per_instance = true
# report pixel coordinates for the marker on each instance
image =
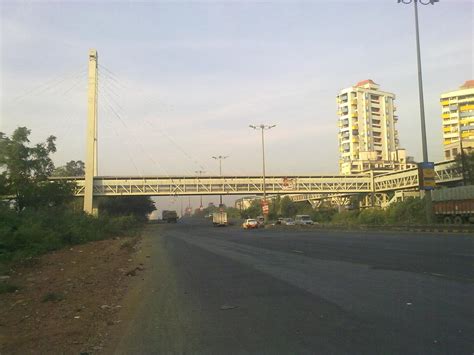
(90, 206)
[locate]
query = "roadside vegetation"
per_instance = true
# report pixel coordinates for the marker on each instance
(38, 215)
(408, 212)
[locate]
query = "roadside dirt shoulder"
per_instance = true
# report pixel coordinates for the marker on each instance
(69, 301)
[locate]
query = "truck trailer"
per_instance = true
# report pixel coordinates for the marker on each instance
(454, 205)
(169, 216)
(219, 219)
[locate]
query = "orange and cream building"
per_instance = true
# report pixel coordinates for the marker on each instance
(368, 138)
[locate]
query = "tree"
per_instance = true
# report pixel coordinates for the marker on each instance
(254, 210)
(72, 168)
(288, 207)
(468, 169)
(138, 206)
(25, 170)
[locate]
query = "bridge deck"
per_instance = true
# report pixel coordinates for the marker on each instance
(303, 185)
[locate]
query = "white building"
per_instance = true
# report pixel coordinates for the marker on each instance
(368, 139)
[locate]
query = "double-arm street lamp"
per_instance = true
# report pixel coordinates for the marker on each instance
(263, 127)
(420, 90)
(220, 158)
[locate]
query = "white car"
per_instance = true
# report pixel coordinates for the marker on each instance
(250, 224)
(303, 219)
(288, 222)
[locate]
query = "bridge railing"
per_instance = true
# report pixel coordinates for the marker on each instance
(306, 187)
(237, 185)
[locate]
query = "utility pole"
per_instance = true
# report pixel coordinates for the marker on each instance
(463, 158)
(428, 201)
(263, 127)
(200, 172)
(220, 158)
(90, 206)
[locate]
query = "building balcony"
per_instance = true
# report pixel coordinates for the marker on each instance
(354, 115)
(449, 129)
(445, 115)
(445, 102)
(466, 121)
(354, 102)
(467, 108)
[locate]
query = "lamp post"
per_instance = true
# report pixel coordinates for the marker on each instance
(200, 172)
(220, 158)
(263, 127)
(429, 203)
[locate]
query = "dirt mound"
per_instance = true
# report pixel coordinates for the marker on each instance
(67, 301)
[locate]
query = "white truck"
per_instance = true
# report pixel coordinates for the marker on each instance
(219, 219)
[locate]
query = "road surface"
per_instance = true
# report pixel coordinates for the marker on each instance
(286, 291)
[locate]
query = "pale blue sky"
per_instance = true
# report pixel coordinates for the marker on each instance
(188, 77)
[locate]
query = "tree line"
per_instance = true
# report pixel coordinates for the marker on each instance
(38, 214)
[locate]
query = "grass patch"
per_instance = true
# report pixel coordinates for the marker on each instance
(52, 297)
(7, 288)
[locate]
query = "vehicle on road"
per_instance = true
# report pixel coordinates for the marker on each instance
(250, 224)
(454, 205)
(303, 219)
(260, 221)
(169, 216)
(288, 222)
(219, 219)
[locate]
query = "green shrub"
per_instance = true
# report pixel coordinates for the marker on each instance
(52, 297)
(7, 288)
(372, 216)
(34, 232)
(410, 211)
(346, 218)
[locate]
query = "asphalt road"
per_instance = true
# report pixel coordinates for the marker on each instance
(286, 291)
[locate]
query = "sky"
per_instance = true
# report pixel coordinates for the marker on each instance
(180, 81)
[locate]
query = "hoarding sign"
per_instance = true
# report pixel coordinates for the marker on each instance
(426, 176)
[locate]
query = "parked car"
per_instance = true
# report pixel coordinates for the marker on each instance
(288, 222)
(250, 224)
(260, 221)
(279, 220)
(303, 219)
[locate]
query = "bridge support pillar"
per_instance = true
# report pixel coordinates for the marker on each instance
(91, 143)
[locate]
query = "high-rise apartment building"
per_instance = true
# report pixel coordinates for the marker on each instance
(368, 139)
(458, 120)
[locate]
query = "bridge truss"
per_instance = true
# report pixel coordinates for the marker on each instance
(299, 187)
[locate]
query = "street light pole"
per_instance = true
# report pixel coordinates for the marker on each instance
(428, 201)
(263, 127)
(220, 158)
(200, 172)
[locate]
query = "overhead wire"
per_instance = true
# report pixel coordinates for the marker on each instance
(111, 75)
(128, 150)
(122, 120)
(119, 116)
(46, 86)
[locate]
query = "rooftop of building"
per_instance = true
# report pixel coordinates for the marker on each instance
(469, 84)
(366, 82)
